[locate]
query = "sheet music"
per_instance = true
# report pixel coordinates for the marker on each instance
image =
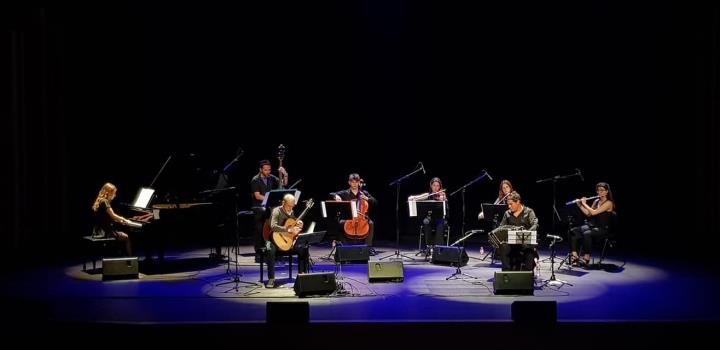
(516, 237)
(143, 197)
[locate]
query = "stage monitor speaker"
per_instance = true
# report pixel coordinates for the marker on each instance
(449, 255)
(320, 283)
(534, 312)
(287, 312)
(381, 271)
(514, 282)
(352, 253)
(119, 268)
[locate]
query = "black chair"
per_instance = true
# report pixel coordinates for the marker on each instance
(421, 241)
(263, 254)
(610, 242)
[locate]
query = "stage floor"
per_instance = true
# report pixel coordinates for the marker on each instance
(190, 290)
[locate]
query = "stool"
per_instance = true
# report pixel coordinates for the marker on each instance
(95, 248)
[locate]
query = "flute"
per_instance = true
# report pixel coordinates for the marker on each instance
(577, 200)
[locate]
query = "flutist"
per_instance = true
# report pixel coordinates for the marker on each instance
(600, 214)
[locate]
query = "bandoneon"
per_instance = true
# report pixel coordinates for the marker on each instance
(511, 235)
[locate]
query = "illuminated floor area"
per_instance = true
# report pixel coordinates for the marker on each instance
(190, 291)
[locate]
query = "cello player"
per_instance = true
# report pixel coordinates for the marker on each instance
(356, 193)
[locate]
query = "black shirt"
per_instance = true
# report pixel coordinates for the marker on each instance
(103, 222)
(526, 219)
(258, 185)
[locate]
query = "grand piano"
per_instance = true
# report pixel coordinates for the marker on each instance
(184, 211)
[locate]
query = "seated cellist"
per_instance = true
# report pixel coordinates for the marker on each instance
(364, 200)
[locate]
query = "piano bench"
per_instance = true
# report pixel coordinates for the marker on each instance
(95, 248)
(263, 254)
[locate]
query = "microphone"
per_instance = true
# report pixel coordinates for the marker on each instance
(555, 237)
(580, 174)
(423, 167)
(488, 175)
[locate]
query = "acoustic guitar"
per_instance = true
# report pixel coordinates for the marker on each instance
(286, 240)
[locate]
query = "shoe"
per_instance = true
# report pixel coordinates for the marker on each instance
(372, 252)
(270, 283)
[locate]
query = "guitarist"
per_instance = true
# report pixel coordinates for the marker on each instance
(278, 218)
(260, 185)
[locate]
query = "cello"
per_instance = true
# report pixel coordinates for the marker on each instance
(358, 227)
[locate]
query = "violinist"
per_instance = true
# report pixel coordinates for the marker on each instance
(362, 198)
(503, 192)
(435, 194)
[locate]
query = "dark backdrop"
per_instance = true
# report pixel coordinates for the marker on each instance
(624, 92)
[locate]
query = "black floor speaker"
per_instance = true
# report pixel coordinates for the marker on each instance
(514, 282)
(447, 255)
(352, 253)
(385, 271)
(287, 312)
(534, 311)
(320, 283)
(120, 268)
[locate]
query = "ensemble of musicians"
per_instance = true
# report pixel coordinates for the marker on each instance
(276, 225)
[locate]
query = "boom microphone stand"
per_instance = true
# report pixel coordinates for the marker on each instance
(397, 183)
(462, 189)
(554, 180)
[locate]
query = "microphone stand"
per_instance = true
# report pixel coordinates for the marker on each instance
(458, 271)
(553, 281)
(462, 190)
(397, 183)
(554, 180)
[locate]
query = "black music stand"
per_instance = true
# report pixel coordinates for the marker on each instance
(430, 210)
(274, 198)
(494, 211)
(462, 194)
(309, 238)
(337, 210)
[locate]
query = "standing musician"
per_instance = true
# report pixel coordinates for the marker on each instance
(278, 218)
(435, 194)
(600, 214)
(362, 197)
(518, 215)
(261, 184)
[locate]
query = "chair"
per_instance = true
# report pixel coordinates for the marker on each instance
(96, 248)
(610, 241)
(446, 236)
(263, 253)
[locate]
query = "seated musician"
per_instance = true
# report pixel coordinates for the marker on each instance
(278, 219)
(512, 256)
(505, 188)
(439, 224)
(600, 214)
(354, 193)
(105, 217)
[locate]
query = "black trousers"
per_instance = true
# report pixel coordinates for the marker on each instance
(517, 257)
(260, 216)
(586, 233)
(303, 257)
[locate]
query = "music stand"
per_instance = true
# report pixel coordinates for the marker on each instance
(430, 209)
(274, 198)
(339, 210)
(309, 238)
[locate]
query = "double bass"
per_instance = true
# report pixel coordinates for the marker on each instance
(280, 156)
(358, 227)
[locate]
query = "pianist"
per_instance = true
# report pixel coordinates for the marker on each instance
(105, 217)
(518, 256)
